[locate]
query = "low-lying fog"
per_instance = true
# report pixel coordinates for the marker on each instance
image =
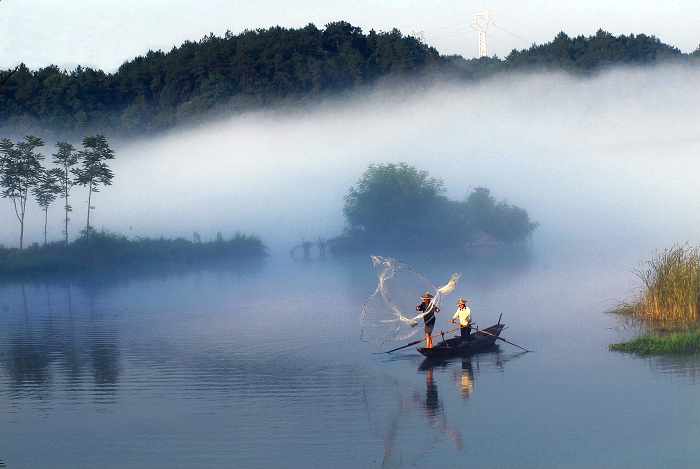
(611, 157)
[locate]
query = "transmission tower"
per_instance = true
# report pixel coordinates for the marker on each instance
(482, 20)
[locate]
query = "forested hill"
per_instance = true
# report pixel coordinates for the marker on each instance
(587, 54)
(268, 67)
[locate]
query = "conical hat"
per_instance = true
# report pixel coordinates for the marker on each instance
(461, 302)
(427, 296)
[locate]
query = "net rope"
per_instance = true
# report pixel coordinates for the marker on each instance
(389, 313)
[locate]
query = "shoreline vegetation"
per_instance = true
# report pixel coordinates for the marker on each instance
(668, 304)
(22, 175)
(647, 344)
(104, 250)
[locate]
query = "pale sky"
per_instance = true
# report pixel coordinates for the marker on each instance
(104, 34)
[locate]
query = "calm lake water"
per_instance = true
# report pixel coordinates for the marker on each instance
(263, 367)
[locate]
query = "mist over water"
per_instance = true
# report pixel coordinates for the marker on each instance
(167, 367)
(610, 157)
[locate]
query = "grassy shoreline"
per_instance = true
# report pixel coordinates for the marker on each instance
(674, 343)
(669, 300)
(105, 251)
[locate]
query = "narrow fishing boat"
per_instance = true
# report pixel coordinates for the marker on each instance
(480, 340)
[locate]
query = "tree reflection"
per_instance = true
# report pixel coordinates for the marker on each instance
(72, 360)
(27, 363)
(104, 350)
(47, 344)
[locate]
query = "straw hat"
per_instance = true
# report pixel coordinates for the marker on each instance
(427, 296)
(461, 302)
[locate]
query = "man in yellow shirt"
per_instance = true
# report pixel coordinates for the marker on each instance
(464, 315)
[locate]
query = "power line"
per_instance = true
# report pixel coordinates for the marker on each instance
(450, 26)
(508, 32)
(444, 36)
(461, 29)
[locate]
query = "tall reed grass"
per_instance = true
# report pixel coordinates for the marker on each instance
(670, 290)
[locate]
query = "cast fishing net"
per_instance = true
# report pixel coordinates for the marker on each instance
(389, 314)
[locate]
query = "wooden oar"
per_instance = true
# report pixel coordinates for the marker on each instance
(499, 338)
(419, 341)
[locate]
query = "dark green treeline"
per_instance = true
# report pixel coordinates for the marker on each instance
(254, 68)
(274, 66)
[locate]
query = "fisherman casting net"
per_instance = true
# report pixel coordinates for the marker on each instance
(390, 314)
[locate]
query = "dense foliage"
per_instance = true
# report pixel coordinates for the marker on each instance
(392, 200)
(272, 66)
(591, 53)
(580, 55)
(260, 67)
(397, 205)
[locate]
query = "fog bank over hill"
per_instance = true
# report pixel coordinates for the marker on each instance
(611, 157)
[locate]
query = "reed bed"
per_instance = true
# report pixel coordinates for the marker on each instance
(670, 292)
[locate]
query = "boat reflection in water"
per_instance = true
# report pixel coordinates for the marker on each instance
(409, 419)
(415, 418)
(463, 376)
(435, 411)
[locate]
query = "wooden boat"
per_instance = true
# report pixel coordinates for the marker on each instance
(456, 346)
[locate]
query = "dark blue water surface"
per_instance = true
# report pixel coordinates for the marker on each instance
(263, 367)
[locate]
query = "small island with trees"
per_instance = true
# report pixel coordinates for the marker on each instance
(398, 206)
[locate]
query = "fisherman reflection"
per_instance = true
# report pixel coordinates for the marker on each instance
(432, 402)
(466, 379)
(434, 407)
